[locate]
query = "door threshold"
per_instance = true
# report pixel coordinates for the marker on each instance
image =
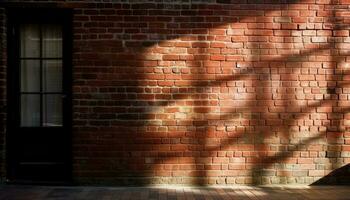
(42, 183)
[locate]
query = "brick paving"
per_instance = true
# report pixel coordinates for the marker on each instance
(20, 192)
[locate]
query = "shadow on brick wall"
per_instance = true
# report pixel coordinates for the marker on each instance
(152, 113)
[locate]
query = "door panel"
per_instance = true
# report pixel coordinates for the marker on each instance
(39, 97)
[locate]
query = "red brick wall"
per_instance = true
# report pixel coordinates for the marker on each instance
(210, 92)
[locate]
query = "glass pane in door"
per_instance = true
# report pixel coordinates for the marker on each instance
(52, 76)
(30, 40)
(52, 110)
(52, 41)
(30, 110)
(30, 76)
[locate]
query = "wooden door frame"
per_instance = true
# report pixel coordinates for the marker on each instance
(39, 15)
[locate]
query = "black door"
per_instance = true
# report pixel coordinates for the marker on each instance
(39, 96)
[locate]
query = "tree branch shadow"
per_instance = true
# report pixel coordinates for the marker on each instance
(145, 148)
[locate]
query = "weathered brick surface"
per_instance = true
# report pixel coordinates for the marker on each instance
(226, 92)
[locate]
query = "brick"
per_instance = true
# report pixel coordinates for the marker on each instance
(309, 33)
(318, 39)
(316, 173)
(282, 19)
(305, 160)
(211, 91)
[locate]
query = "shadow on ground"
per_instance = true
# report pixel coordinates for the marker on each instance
(340, 176)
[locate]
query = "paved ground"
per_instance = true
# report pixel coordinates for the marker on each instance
(10, 192)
